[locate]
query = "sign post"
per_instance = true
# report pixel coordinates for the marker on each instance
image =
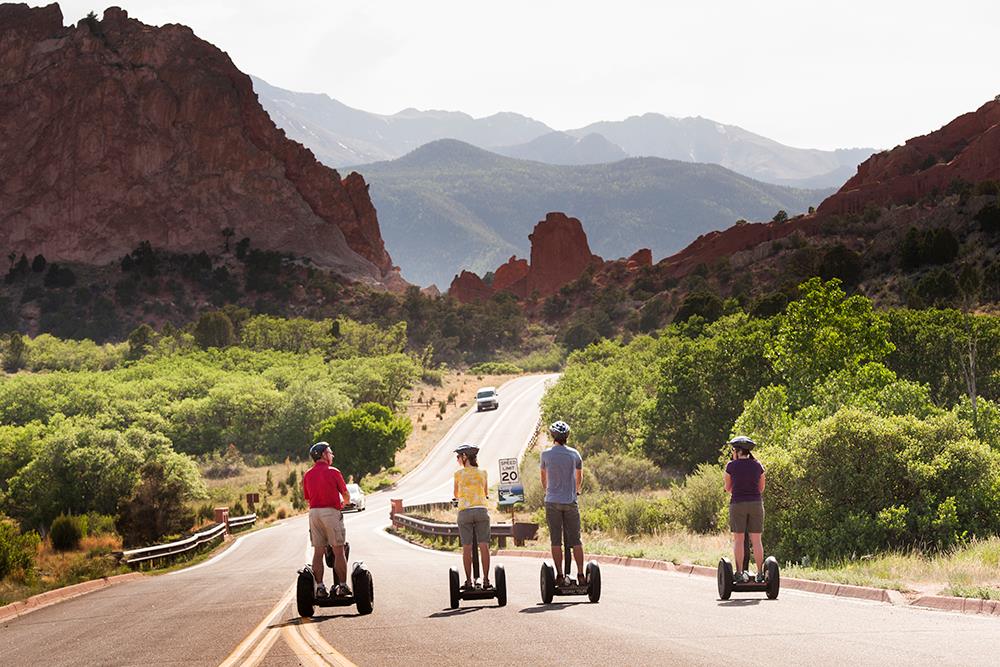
(511, 490)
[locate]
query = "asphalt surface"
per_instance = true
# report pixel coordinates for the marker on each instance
(236, 607)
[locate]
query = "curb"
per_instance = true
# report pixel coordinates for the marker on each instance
(35, 602)
(939, 602)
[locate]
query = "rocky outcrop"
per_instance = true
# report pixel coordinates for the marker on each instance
(114, 132)
(512, 277)
(468, 287)
(966, 148)
(640, 258)
(559, 254)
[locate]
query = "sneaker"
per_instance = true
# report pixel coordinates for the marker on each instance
(568, 581)
(467, 586)
(582, 580)
(342, 591)
(760, 577)
(321, 591)
(487, 585)
(746, 577)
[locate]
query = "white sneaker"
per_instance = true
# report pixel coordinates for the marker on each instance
(321, 591)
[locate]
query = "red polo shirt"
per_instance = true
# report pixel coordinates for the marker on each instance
(321, 484)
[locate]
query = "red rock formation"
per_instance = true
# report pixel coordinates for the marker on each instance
(114, 132)
(468, 287)
(640, 258)
(512, 277)
(711, 246)
(559, 254)
(967, 148)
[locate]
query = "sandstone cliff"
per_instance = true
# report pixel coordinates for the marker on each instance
(967, 148)
(113, 132)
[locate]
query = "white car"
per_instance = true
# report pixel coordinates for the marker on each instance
(487, 398)
(357, 503)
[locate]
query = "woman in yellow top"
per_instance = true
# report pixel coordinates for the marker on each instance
(470, 492)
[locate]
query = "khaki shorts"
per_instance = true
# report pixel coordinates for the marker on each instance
(474, 517)
(563, 517)
(745, 515)
(326, 526)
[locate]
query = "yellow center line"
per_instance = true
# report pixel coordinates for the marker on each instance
(243, 646)
(311, 634)
(302, 650)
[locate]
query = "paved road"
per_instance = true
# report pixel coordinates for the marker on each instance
(237, 607)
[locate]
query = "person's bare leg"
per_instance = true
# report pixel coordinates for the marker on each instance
(484, 557)
(340, 563)
(581, 578)
(318, 553)
(557, 558)
(738, 563)
(758, 551)
(467, 562)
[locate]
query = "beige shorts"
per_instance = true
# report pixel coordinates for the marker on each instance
(326, 526)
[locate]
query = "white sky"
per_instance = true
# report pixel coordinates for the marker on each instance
(808, 74)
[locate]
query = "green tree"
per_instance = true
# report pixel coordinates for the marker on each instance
(17, 550)
(140, 341)
(364, 440)
(214, 329)
(14, 356)
(156, 508)
(825, 331)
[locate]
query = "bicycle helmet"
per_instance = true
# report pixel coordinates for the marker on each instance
(742, 442)
(467, 449)
(559, 430)
(316, 451)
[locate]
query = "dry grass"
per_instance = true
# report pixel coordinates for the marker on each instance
(229, 491)
(424, 411)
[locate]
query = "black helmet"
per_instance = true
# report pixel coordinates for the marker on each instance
(559, 430)
(467, 449)
(316, 451)
(742, 442)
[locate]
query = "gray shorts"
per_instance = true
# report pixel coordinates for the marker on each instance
(745, 515)
(563, 517)
(326, 526)
(474, 517)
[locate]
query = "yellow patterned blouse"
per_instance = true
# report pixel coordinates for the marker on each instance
(471, 488)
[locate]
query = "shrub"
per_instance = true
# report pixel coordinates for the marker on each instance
(99, 524)
(282, 513)
(17, 550)
(624, 472)
(699, 501)
(365, 439)
(495, 368)
(67, 531)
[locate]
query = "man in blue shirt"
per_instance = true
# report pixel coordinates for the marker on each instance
(562, 474)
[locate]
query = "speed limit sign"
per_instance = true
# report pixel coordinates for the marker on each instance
(511, 490)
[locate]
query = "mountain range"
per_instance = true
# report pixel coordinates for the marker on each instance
(448, 205)
(342, 136)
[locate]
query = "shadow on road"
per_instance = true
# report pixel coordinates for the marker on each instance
(553, 606)
(739, 603)
(314, 619)
(446, 613)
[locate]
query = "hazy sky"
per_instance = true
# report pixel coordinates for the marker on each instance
(808, 74)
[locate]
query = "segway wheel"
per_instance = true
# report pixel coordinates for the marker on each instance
(547, 582)
(773, 577)
(500, 581)
(725, 579)
(593, 581)
(364, 589)
(453, 587)
(304, 589)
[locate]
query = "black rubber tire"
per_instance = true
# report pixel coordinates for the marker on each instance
(304, 589)
(500, 582)
(773, 577)
(594, 581)
(453, 587)
(547, 583)
(725, 579)
(364, 590)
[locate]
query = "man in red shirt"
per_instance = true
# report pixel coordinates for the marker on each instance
(323, 486)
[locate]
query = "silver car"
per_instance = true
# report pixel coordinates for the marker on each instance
(487, 398)
(357, 503)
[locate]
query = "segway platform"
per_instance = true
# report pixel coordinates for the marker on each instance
(362, 586)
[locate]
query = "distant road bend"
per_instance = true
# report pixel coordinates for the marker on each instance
(237, 609)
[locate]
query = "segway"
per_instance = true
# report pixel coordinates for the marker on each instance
(772, 576)
(550, 588)
(477, 592)
(361, 584)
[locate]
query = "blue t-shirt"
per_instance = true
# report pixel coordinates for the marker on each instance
(560, 464)
(746, 479)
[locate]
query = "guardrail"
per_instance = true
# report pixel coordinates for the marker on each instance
(138, 557)
(498, 531)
